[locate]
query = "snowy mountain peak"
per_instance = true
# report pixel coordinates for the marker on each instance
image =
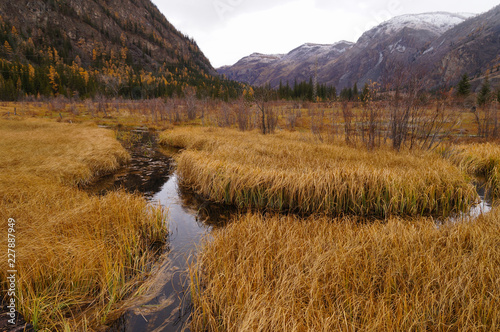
(437, 23)
(259, 58)
(306, 50)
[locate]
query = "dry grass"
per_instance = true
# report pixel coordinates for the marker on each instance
(285, 274)
(77, 256)
(295, 172)
(481, 160)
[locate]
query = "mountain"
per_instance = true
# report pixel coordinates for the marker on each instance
(444, 45)
(249, 68)
(299, 64)
(90, 47)
(472, 47)
(399, 41)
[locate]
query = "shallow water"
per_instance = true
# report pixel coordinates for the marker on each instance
(165, 304)
(483, 206)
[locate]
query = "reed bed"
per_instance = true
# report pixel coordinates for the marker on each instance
(282, 273)
(77, 256)
(481, 160)
(295, 172)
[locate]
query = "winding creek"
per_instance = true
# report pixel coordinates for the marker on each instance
(165, 303)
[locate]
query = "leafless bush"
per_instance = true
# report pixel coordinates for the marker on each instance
(433, 125)
(370, 117)
(408, 85)
(317, 121)
(486, 119)
(89, 106)
(243, 114)
(225, 116)
(333, 128)
(292, 117)
(348, 127)
(190, 98)
(73, 109)
(272, 120)
(102, 105)
(172, 109)
(155, 107)
(268, 118)
(58, 104)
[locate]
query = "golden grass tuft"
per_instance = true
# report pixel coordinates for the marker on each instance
(481, 160)
(282, 273)
(77, 255)
(295, 172)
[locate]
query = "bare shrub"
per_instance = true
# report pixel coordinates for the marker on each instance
(371, 113)
(58, 104)
(317, 121)
(225, 117)
(190, 98)
(243, 114)
(348, 127)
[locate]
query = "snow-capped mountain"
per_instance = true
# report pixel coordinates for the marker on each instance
(249, 68)
(409, 40)
(437, 23)
(398, 41)
(258, 69)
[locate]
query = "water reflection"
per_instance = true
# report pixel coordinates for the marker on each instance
(165, 305)
(147, 171)
(483, 205)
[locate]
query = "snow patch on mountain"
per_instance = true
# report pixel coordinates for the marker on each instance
(260, 58)
(437, 23)
(308, 50)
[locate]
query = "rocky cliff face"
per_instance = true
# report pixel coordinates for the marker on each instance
(472, 47)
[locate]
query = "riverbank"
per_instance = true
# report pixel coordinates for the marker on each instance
(77, 255)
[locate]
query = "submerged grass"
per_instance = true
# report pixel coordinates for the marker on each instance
(481, 160)
(281, 273)
(295, 172)
(77, 255)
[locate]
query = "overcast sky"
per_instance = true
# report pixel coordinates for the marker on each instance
(227, 30)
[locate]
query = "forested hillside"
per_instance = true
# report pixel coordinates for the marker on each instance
(99, 47)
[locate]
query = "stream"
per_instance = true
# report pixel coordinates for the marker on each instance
(165, 304)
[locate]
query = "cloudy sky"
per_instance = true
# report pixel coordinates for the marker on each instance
(227, 30)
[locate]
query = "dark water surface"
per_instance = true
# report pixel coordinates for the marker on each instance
(165, 306)
(165, 303)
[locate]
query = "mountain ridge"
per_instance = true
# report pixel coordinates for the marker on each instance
(408, 40)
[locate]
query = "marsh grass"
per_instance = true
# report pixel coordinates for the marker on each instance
(283, 273)
(77, 256)
(481, 160)
(295, 172)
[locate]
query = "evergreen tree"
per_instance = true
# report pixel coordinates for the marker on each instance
(484, 95)
(355, 92)
(463, 87)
